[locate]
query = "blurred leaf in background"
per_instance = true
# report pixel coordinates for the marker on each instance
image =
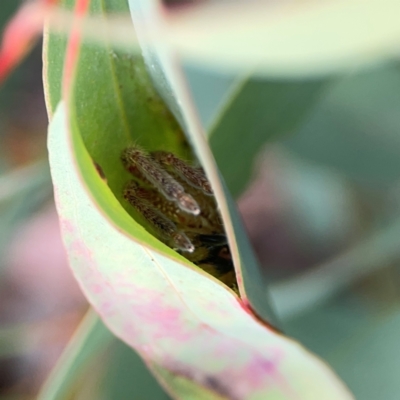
(322, 211)
(321, 206)
(23, 119)
(40, 303)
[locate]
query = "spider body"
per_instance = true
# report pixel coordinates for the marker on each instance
(176, 200)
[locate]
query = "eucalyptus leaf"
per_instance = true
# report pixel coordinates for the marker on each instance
(164, 69)
(123, 373)
(113, 105)
(358, 338)
(285, 39)
(128, 377)
(258, 112)
(171, 314)
(194, 333)
(355, 128)
(91, 339)
(370, 364)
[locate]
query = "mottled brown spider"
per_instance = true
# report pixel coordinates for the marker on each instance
(177, 201)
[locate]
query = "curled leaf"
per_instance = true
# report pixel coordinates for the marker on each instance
(174, 316)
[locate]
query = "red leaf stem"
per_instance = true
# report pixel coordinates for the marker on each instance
(21, 33)
(72, 52)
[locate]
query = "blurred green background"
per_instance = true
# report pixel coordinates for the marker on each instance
(323, 214)
(320, 199)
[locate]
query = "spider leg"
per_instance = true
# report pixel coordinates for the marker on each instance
(213, 239)
(134, 195)
(135, 158)
(193, 176)
(177, 202)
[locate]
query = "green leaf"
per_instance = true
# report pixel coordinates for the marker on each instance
(256, 113)
(113, 105)
(186, 325)
(377, 341)
(251, 282)
(174, 316)
(128, 377)
(358, 338)
(355, 133)
(123, 374)
(90, 340)
(284, 39)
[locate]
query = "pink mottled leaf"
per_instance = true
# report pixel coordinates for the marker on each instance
(195, 334)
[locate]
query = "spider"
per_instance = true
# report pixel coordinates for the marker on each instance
(176, 200)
